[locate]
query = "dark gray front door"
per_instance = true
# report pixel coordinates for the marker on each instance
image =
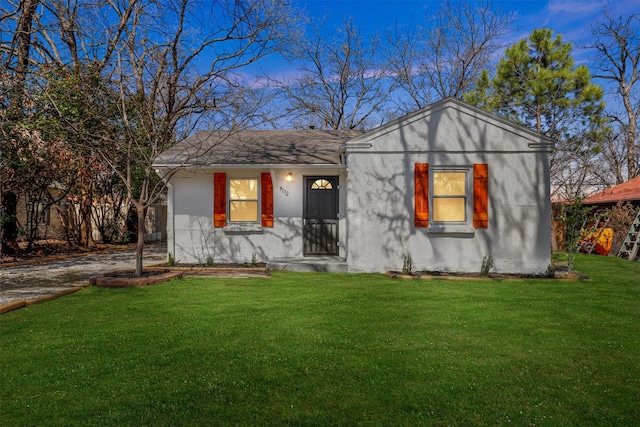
(321, 215)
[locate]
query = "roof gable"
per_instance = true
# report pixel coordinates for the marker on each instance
(447, 126)
(451, 125)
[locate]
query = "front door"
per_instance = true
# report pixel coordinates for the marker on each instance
(321, 215)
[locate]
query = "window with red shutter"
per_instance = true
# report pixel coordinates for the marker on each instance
(445, 197)
(236, 200)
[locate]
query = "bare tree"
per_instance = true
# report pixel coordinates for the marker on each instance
(617, 46)
(614, 158)
(13, 77)
(445, 57)
(139, 75)
(341, 81)
(170, 82)
(575, 173)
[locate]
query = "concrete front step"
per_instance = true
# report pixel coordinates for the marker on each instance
(329, 264)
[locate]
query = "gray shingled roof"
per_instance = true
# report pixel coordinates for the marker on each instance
(270, 147)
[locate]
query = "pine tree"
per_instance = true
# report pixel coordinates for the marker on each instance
(538, 85)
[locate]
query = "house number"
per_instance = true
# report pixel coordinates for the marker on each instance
(283, 191)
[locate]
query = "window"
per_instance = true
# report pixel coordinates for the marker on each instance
(37, 212)
(243, 200)
(248, 201)
(449, 195)
(321, 184)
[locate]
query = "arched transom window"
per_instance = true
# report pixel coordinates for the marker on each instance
(321, 184)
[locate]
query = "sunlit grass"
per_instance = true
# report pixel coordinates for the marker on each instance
(330, 349)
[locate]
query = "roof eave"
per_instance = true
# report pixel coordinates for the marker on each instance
(250, 166)
(610, 201)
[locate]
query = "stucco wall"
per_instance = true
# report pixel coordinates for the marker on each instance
(380, 197)
(377, 200)
(193, 239)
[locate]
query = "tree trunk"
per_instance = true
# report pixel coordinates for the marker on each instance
(631, 138)
(554, 235)
(140, 244)
(22, 43)
(86, 226)
(9, 224)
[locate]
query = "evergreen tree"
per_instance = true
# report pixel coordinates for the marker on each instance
(538, 85)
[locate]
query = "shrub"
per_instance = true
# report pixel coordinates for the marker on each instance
(575, 215)
(551, 271)
(407, 265)
(487, 265)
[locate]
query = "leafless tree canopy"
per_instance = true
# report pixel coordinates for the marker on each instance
(166, 67)
(340, 81)
(444, 57)
(617, 54)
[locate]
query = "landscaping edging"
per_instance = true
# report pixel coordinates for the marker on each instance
(205, 271)
(396, 275)
(14, 305)
(110, 280)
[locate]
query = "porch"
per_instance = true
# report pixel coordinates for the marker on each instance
(329, 264)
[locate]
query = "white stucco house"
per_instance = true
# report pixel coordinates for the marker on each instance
(446, 185)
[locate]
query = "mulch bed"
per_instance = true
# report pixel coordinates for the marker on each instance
(128, 279)
(239, 270)
(443, 275)
(228, 272)
(243, 265)
(159, 273)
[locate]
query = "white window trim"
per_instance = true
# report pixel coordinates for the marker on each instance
(238, 225)
(459, 227)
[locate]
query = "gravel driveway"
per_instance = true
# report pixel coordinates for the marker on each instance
(31, 281)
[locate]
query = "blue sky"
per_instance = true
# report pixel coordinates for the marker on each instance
(572, 19)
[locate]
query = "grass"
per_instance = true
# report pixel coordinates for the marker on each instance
(330, 349)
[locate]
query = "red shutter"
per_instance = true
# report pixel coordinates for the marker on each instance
(267, 199)
(481, 195)
(421, 176)
(219, 199)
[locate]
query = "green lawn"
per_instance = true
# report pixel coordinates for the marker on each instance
(330, 349)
